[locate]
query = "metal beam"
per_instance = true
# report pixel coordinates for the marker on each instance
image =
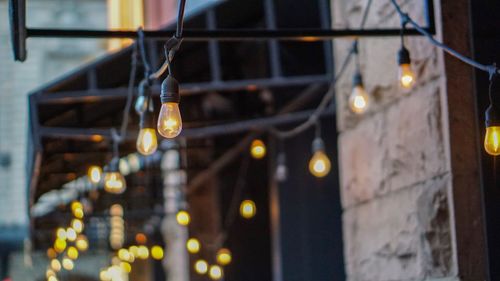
(69, 97)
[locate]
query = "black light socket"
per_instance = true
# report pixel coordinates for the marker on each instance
(357, 79)
(146, 121)
(318, 145)
(492, 116)
(404, 56)
(170, 90)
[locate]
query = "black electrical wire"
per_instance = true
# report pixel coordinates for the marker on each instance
(180, 19)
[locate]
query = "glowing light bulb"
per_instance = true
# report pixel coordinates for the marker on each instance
(72, 253)
(51, 253)
(59, 245)
(70, 234)
(258, 149)
(77, 225)
(492, 140)
(94, 174)
(157, 252)
(193, 245)
(126, 266)
(142, 252)
(146, 141)
(183, 218)
(124, 254)
(61, 233)
(55, 265)
(49, 272)
(319, 165)
(215, 272)
(358, 101)
(406, 76)
(52, 278)
(82, 243)
(201, 267)
(170, 121)
(248, 209)
(114, 182)
(68, 264)
(224, 257)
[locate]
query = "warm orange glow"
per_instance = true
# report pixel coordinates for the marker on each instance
(114, 182)
(406, 77)
(170, 120)
(147, 142)
(215, 272)
(193, 245)
(248, 209)
(141, 238)
(124, 15)
(157, 252)
(201, 267)
(94, 174)
(72, 253)
(492, 140)
(319, 165)
(183, 218)
(224, 257)
(82, 242)
(358, 100)
(258, 149)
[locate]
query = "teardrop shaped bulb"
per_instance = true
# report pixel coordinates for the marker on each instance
(170, 121)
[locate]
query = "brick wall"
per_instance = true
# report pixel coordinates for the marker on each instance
(394, 160)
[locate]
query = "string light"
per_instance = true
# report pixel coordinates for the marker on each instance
(51, 253)
(77, 209)
(224, 256)
(358, 100)
(116, 235)
(77, 225)
(82, 243)
(248, 209)
(170, 121)
(94, 174)
(201, 267)
(70, 234)
(183, 218)
(319, 165)
(215, 272)
(61, 233)
(157, 252)
(72, 253)
(492, 122)
(406, 76)
(114, 182)
(60, 245)
(147, 143)
(55, 265)
(258, 149)
(193, 245)
(68, 264)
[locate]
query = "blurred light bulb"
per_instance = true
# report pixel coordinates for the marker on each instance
(201, 267)
(126, 266)
(248, 209)
(141, 238)
(157, 252)
(68, 264)
(124, 254)
(70, 234)
(170, 121)
(146, 141)
(258, 149)
(72, 253)
(193, 245)
(319, 165)
(60, 245)
(114, 182)
(492, 140)
(48, 273)
(94, 174)
(224, 257)
(183, 218)
(51, 253)
(77, 225)
(215, 272)
(142, 252)
(104, 275)
(52, 278)
(61, 233)
(82, 243)
(358, 101)
(406, 76)
(55, 265)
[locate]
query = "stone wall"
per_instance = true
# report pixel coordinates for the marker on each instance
(394, 162)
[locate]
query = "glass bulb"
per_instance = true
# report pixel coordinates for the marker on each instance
(157, 252)
(215, 272)
(114, 182)
(248, 209)
(94, 174)
(146, 141)
(358, 101)
(193, 245)
(319, 165)
(406, 76)
(258, 149)
(183, 218)
(224, 257)
(170, 121)
(492, 140)
(201, 267)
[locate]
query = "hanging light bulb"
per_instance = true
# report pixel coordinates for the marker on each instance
(258, 149)
(319, 165)
(94, 174)
(157, 252)
(358, 100)
(114, 182)
(248, 209)
(215, 272)
(183, 218)
(77, 225)
(193, 245)
(224, 257)
(201, 267)
(170, 121)
(406, 76)
(82, 242)
(147, 142)
(68, 264)
(72, 253)
(492, 137)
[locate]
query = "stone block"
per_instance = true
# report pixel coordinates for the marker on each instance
(404, 235)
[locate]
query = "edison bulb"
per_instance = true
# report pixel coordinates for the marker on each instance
(258, 149)
(114, 182)
(77, 225)
(193, 245)
(146, 141)
(224, 257)
(170, 121)
(406, 76)
(492, 140)
(82, 243)
(248, 209)
(358, 101)
(183, 218)
(215, 272)
(94, 174)
(201, 267)
(319, 165)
